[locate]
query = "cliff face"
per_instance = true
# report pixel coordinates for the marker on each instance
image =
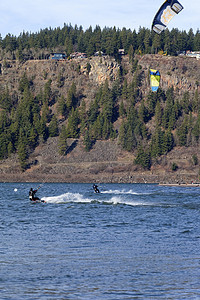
(106, 161)
(40, 71)
(183, 73)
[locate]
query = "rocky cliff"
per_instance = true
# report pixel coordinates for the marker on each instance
(183, 73)
(106, 162)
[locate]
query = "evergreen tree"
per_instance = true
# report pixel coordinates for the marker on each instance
(186, 102)
(32, 138)
(125, 90)
(157, 143)
(10, 148)
(182, 132)
(47, 92)
(143, 112)
(5, 100)
(83, 117)
(196, 128)
(87, 141)
(45, 113)
(152, 100)
(131, 54)
(122, 110)
(24, 83)
(131, 141)
(61, 106)
(143, 158)
(3, 146)
(72, 126)
(93, 111)
(158, 114)
(71, 98)
(196, 102)
(168, 142)
(53, 127)
(62, 143)
(97, 128)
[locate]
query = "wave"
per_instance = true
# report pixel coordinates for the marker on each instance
(67, 197)
(118, 200)
(79, 198)
(130, 192)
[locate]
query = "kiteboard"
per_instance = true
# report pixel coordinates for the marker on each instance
(37, 201)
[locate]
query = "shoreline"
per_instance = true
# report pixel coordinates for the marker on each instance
(96, 178)
(180, 184)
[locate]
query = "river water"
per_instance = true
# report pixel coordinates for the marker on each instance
(131, 241)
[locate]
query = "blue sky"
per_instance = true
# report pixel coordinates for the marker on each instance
(25, 15)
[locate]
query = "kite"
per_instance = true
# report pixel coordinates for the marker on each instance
(154, 80)
(167, 11)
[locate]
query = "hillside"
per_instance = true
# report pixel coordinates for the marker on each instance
(107, 160)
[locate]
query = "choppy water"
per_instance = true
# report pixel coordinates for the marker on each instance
(132, 241)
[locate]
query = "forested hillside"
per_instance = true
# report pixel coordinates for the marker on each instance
(94, 100)
(108, 40)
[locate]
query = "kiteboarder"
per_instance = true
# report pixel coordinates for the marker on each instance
(95, 187)
(32, 196)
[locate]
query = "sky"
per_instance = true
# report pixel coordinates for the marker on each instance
(31, 16)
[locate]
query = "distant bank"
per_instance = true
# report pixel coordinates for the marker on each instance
(181, 184)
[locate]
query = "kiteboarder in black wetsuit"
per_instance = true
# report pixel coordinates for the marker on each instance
(95, 187)
(32, 196)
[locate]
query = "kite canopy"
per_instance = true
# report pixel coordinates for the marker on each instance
(154, 80)
(164, 15)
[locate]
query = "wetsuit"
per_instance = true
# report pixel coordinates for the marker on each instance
(95, 187)
(32, 195)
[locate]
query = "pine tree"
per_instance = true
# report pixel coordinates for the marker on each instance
(5, 101)
(72, 126)
(87, 141)
(97, 128)
(131, 54)
(32, 138)
(71, 100)
(143, 112)
(53, 127)
(47, 92)
(131, 141)
(93, 111)
(125, 90)
(158, 114)
(10, 148)
(157, 143)
(3, 146)
(62, 143)
(196, 128)
(106, 129)
(122, 110)
(45, 113)
(24, 83)
(168, 142)
(152, 100)
(61, 106)
(196, 102)
(143, 158)
(182, 132)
